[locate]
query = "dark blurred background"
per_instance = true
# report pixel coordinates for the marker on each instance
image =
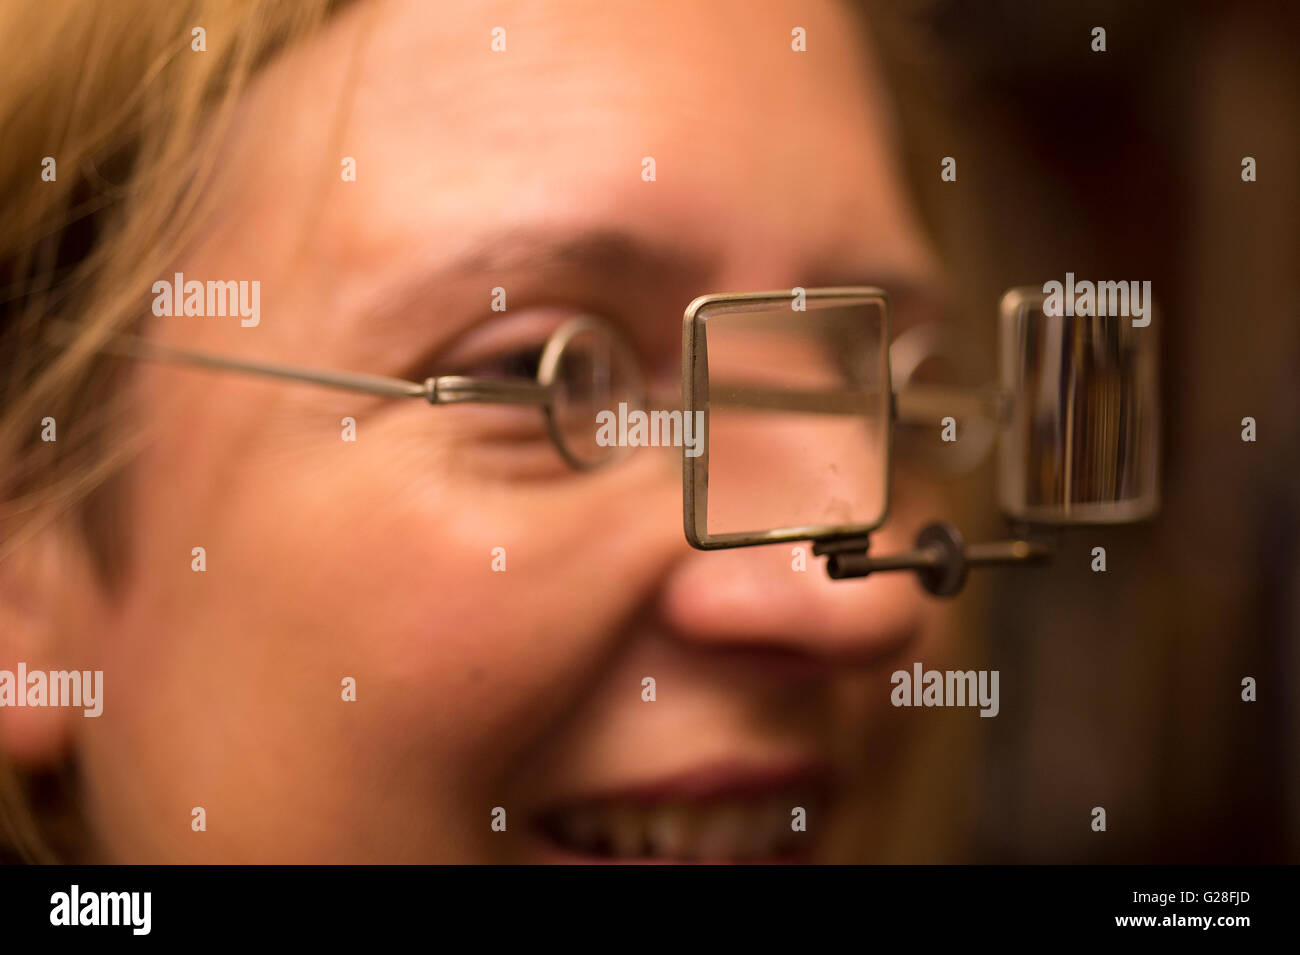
(1123, 689)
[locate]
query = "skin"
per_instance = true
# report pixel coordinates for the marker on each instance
(372, 559)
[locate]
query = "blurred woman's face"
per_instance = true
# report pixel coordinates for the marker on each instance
(478, 687)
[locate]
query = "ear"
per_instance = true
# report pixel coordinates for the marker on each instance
(38, 581)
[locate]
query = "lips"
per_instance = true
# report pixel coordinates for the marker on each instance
(718, 815)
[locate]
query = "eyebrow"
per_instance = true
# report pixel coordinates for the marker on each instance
(614, 271)
(597, 251)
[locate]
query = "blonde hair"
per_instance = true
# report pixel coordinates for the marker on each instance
(104, 107)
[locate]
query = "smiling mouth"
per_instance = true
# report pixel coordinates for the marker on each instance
(718, 817)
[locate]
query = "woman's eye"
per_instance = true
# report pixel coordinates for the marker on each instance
(508, 360)
(519, 363)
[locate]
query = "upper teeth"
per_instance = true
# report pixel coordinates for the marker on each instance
(726, 831)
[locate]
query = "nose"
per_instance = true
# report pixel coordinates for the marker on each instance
(779, 597)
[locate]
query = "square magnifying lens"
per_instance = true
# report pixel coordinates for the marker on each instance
(793, 391)
(1081, 444)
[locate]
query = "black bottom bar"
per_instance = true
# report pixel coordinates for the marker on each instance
(441, 905)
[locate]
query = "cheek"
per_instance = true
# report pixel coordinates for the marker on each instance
(475, 606)
(467, 611)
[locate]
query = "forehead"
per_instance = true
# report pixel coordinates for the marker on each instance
(766, 161)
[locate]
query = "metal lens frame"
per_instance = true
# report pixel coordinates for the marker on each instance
(695, 396)
(624, 359)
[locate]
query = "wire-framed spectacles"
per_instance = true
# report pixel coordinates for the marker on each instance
(585, 366)
(587, 369)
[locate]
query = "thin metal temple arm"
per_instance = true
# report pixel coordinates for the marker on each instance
(131, 347)
(446, 389)
(455, 389)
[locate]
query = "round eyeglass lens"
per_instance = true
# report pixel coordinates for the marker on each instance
(589, 368)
